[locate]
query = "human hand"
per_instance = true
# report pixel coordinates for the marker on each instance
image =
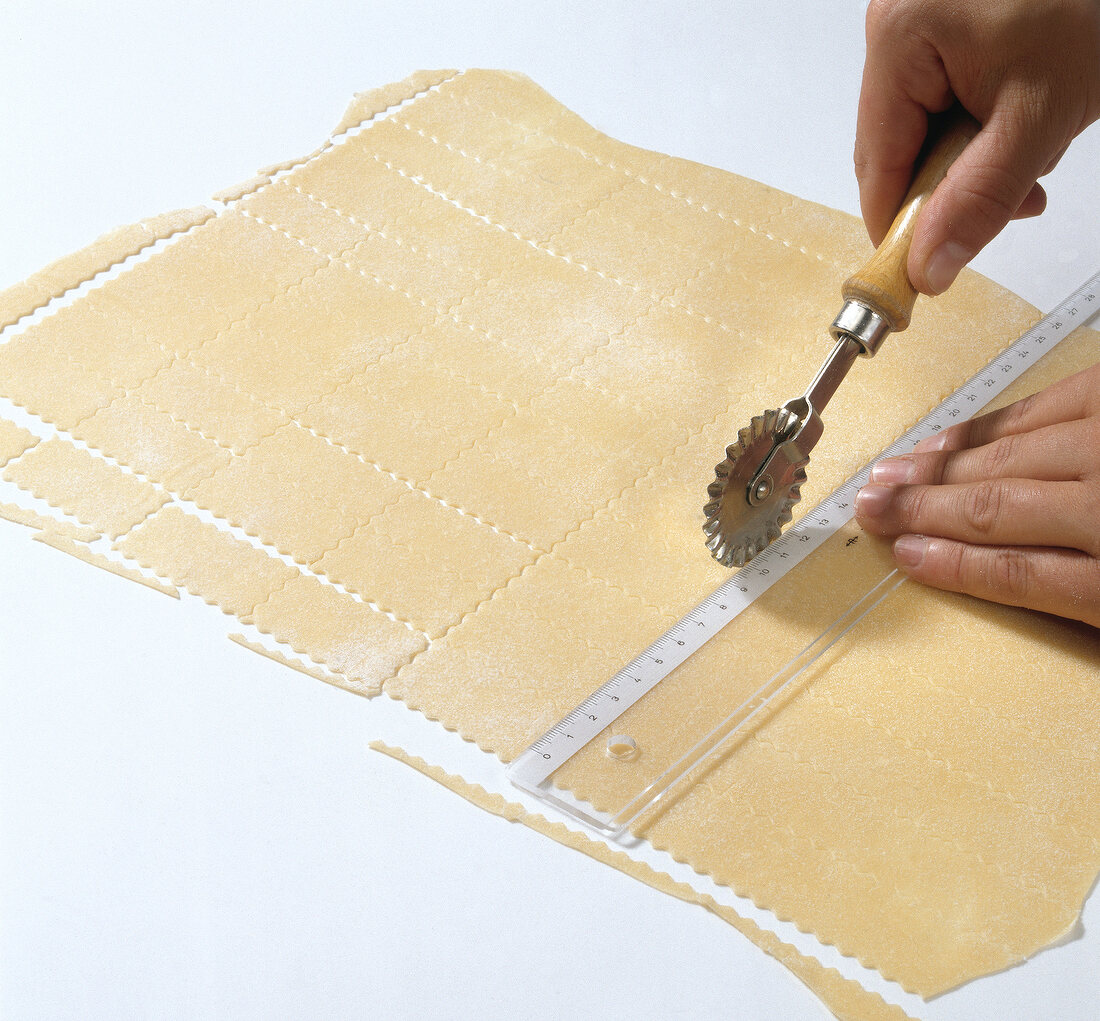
(1027, 70)
(1005, 506)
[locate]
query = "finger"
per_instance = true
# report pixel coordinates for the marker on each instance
(903, 79)
(887, 144)
(1054, 160)
(1068, 400)
(1060, 581)
(982, 191)
(1056, 453)
(993, 512)
(1034, 204)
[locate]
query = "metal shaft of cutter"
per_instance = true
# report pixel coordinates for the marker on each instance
(800, 420)
(832, 373)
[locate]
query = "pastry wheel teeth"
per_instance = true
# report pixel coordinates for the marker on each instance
(733, 541)
(718, 546)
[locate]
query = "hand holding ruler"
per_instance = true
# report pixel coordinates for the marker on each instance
(588, 727)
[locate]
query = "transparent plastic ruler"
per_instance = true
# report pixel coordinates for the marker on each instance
(534, 770)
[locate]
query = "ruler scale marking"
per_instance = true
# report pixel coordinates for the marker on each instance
(643, 673)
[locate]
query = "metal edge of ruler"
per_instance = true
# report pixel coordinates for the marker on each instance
(574, 731)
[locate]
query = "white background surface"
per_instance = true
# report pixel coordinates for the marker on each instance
(190, 831)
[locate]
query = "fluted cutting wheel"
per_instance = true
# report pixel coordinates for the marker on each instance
(736, 529)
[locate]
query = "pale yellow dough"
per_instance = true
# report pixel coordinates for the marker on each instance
(58, 539)
(14, 441)
(85, 487)
(43, 522)
(73, 270)
(848, 1000)
(279, 657)
(462, 375)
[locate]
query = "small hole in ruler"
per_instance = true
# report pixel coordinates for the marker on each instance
(619, 746)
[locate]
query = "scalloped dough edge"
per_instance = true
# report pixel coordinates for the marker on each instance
(108, 250)
(845, 998)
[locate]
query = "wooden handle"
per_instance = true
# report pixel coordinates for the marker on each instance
(883, 283)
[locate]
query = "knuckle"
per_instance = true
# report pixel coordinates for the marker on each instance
(1022, 409)
(904, 36)
(1010, 574)
(998, 456)
(1017, 414)
(981, 507)
(952, 566)
(912, 507)
(883, 16)
(889, 19)
(983, 429)
(991, 197)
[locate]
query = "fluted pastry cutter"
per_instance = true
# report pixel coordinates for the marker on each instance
(760, 479)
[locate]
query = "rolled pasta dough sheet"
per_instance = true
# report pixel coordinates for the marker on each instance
(847, 999)
(435, 406)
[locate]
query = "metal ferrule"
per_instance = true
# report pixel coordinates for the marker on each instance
(865, 326)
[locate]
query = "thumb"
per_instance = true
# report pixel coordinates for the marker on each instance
(983, 190)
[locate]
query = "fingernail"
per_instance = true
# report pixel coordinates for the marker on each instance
(931, 443)
(893, 470)
(872, 499)
(909, 550)
(943, 265)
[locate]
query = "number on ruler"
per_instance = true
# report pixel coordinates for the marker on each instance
(717, 615)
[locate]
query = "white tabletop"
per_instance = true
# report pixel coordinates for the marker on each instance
(191, 831)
